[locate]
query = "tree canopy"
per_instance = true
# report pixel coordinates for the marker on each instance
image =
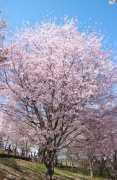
(54, 76)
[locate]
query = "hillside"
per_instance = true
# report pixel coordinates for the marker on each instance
(15, 169)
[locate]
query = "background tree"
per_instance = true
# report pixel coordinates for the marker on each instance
(98, 142)
(2, 37)
(112, 1)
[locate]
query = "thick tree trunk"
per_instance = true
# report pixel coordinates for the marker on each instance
(48, 161)
(101, 167)
(48, 176)
(49, 169)
(101, 172)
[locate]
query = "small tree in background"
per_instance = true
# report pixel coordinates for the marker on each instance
(98, 142)
(112, 1)
(2, 37)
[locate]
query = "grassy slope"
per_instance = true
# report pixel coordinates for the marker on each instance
(14, 169)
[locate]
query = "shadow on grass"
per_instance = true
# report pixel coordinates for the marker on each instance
(11, 163)
(83, 178)
(5, 177)
(64, 177)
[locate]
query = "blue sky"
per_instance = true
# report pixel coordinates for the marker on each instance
(34, 10)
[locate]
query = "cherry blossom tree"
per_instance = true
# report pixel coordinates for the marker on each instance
(112, 1)
(11, 134)
(98, 142)
(53, 75)
(2, 37)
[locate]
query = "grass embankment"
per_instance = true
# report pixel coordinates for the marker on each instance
(14, 169)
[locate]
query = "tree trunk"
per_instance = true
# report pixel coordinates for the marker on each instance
(78, 166)
(91, 168)
(48, 160)
(53, 165)
(101, 167)
(1, 143)
(26, 150)
(49, 169)
(34, 156)
(15, 150)
(72, 167)
(39, 155)
(9, 149)
(48, 176)
(101, 172)
(66, 164)
(56, 161)
(41, 159)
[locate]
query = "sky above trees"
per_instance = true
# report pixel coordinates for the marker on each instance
(99, 11)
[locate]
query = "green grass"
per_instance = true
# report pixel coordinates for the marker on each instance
(65, 174)
(1, 171)
(84, 177)
(36, 167)
(11, 163)
(35, 171)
